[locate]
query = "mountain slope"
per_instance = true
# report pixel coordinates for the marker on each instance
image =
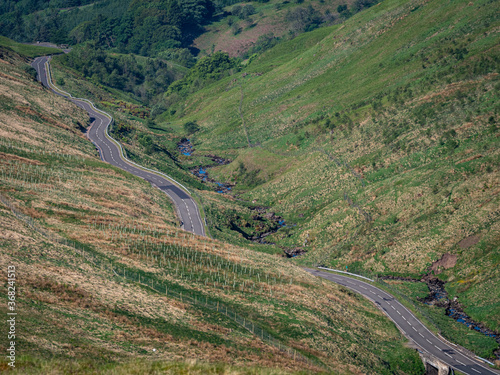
(104, 276)
(376, 140)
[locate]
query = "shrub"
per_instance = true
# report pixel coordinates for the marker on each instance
(191, 127)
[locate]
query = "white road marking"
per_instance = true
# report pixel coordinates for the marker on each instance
(438, 348)
(463, 364)
(473, 369)
(429, 341)
(98, 133)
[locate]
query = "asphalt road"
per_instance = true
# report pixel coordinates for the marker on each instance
(110, 152)
(189, 213)
(410, 325)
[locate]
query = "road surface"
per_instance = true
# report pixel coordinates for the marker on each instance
(111, 153)
(189, 214)
(410, 325)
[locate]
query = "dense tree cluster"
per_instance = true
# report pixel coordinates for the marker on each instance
(208, 69)
(304, 18)
(143, 77)
(147, 28)
(128, 26)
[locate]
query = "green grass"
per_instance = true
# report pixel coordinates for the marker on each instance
(404, 95)
(452, 330)
(26, 49)
(99, 217)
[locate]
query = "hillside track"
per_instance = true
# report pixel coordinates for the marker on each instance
(111, 152)
(410, 326)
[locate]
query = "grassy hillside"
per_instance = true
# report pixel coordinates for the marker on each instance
(26, 49)
(105, 276)
(377, 141)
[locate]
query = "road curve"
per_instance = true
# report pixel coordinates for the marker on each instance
(111, 152)
(410, 325)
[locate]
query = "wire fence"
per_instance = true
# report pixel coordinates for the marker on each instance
(133, 276)
(217, 306)
(88, 255)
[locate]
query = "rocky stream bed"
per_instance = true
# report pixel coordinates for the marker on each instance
(265, 223)
(438, 296)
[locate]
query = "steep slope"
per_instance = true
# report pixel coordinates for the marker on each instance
(104, 276)
(376, 141)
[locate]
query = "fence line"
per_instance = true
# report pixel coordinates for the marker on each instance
(187, 297)
(133, 276)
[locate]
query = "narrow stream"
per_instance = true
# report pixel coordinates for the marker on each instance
(261, 215)
(438, 296)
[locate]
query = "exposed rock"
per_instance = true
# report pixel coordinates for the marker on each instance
(469, 241)
(446, 261)
(218, 159)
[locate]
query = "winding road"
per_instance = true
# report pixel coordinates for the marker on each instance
(410, 325)
(111, 152)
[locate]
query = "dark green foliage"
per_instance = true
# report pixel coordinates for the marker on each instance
(144, 79)
(304, 18)
(250, 178)
(206, 70)
(131, 26)
(122, 129)
(235, 28)
(362, 4)
(30, 71)
(264, 42)
(243, 12)
(214, 66)
(191, 127)
(147, 142)
(341, 8)
(181, 56)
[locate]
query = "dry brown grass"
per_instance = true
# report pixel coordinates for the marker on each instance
(71, 307)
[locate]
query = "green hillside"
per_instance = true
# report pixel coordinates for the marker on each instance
(357, 135)
(108, 283)
(27, 50)
(376, 140)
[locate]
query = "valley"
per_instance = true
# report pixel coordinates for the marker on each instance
(227, 163)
